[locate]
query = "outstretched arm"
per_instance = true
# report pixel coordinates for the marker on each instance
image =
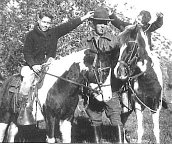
(157, 24)
(65, 28)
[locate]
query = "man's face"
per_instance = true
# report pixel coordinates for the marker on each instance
(101, 28)
(141, 19)
(44, 23)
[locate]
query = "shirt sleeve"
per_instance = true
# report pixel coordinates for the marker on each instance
(65, 28)
(27, 51)
(156, 24)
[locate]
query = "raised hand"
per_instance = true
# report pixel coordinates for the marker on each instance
(88, 15)
(159, 14)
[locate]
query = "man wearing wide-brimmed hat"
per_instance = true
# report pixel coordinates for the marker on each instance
(104, 45)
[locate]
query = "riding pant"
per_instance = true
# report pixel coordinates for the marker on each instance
(113, 111)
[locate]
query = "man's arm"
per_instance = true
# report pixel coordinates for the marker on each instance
(118, 23)
(157, 24)
(27, 51)
(65, 28)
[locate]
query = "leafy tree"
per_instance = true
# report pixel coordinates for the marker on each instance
(17, 17)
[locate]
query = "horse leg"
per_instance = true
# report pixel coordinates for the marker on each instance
(12, 132)
(156, 130)
(65, 128)
(139, 115)
(3, 127)
(125, 102)
(50, 127)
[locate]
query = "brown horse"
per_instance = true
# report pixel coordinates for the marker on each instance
(140, 71)
(59, 97)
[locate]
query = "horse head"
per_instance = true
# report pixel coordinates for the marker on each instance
(133, 56)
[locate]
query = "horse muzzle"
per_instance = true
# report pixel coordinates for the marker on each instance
(26, 117)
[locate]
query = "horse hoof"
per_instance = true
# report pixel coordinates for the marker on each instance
(50, 140)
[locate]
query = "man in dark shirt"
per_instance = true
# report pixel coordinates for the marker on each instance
(41, 44)
(142, 19)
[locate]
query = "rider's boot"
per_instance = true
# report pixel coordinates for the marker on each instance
(97, 134)
(118, 133)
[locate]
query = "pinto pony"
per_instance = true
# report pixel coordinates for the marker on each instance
(57, 96)
(142, 77)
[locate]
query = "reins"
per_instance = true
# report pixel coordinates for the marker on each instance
(140, 99)
(127, 64)
(70, 81)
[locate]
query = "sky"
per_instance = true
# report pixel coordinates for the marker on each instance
(153, 6)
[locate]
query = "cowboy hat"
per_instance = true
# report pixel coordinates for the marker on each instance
(101, 14)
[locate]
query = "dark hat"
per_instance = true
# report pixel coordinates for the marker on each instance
(101, 14)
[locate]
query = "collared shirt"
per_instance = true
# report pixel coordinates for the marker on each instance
(104, 43)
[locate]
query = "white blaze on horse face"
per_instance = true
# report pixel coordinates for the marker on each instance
(142, 65)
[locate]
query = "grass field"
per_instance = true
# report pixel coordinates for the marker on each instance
(82, 132)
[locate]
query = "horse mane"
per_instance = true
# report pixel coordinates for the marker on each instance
(134, 33)
(127, 34)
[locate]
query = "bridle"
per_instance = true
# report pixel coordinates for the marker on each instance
(133, 57)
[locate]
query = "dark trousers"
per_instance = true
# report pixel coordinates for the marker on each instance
(113, 111)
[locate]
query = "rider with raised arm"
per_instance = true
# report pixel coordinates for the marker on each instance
(142, 19)
(41, 44)
(103, 44)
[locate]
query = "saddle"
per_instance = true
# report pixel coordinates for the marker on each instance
(15, 83)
